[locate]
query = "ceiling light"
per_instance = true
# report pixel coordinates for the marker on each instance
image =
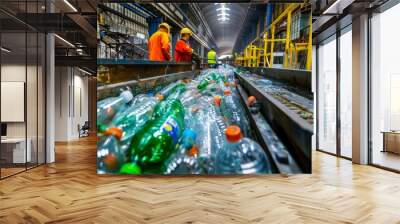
(223, 9)
(70, 5)
(5, 50)
(65, 41)
(223, 14)
(223, 19)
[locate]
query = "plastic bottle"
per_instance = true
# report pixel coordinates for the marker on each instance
(241, 155)
(165, 106)
(130, 168)
(177, 92)
(233, 111)
(254, 105)
(166, 91)
(203, 84)
(184, 160)
(132, 119)
(107, 108)
(109, 154)
(189, 97)
(157, 139)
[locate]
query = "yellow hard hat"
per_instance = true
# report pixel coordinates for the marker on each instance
(165, 25)
(186, 31)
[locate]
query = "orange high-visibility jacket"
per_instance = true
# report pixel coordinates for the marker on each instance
(159, 46)
(183, 51)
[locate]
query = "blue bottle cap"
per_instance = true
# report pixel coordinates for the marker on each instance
(188, 133)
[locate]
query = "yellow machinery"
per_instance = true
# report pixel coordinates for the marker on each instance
(263, 55)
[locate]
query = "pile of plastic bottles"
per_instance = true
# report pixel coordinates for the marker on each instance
(193, 127)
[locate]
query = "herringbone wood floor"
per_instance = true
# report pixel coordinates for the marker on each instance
(69, 191)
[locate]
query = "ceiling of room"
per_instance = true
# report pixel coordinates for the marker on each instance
(225, 31)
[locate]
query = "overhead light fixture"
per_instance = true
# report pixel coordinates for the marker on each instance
(5, 50)
(223, 14)
(223, 19)
(70, 5)
(64, 40)
(84, 71)
(223, 9)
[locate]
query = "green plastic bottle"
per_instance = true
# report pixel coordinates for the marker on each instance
(165, 106)
(203, 84)
(130, 168)
(155, 142)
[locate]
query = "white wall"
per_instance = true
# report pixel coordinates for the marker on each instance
(33, 127)
(71, 102)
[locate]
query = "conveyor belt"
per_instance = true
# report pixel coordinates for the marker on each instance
(282, 161)
(293, 131)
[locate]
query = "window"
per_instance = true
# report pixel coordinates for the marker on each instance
(346, 93)
(327, 95)
(385, 89)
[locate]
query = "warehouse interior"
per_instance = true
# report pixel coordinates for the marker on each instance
(58, 58)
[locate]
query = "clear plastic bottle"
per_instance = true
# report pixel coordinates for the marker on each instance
(132, 119)
(199, 120)
(184, 160)
(110, 157)
(170, 88)
(241, 155)
(233, 111)
(107, 108)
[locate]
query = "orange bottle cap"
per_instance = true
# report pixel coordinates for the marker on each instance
(159, 97)
(251, 100)
(227, 92)
(117, 132)
(217, 100)
(111, 162)
(193, 151)
(233, 133)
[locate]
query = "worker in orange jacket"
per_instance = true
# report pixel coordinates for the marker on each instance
(159, 44)
(183, 51)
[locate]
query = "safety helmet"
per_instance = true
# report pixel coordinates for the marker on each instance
(186, 31)
(165, 25)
